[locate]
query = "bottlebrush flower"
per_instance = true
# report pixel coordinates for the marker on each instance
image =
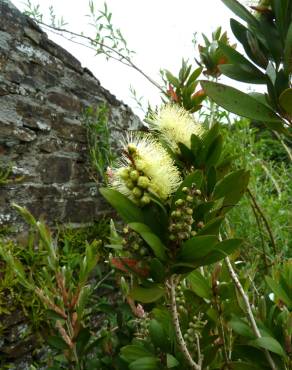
(176, 126)
(145, 167)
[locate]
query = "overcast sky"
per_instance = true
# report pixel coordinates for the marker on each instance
(160, 31)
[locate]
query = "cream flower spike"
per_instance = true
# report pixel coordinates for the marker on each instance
(176, 126)
(145, 167)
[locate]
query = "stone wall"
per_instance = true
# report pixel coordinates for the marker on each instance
(43, 93)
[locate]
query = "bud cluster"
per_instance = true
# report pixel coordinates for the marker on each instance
(143, 328)
(195, 326)
(134, 243)
(180, 299)
(137, 183)
(181, 220)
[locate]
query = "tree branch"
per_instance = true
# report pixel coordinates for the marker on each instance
(269, 230)
(248, 310)
(119, 56)
(181, 341)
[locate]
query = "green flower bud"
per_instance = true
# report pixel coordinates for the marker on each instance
(198, 192)
(172, 237)
(145, 200)
(173, 214)
(189, 199)
(143, 251)
(200, 224)
(178, 214)
(143, 182)
(125, 230)
(135, 246)
(189, 211)
(185, 190)
(137, 192)
(124, 173)
(179, 202)
(179, 226)
(193, 233)
(130, 185)
(190, 220)
(181, 236)
(190, 331)
(134, 175)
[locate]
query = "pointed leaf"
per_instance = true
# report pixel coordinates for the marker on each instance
(270, 344)
(146, 295)
(199, 284)
(197, 247)
(285, 100)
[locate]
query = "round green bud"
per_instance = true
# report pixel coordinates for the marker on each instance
(185, 189)
(178, 214)
(137, 192)
(130, 185)
(125, 230)
(179, 226)
(145, 199)
(181, 236)
(143, 251)
(173, 214)
(193, 233)
(189, 211)
(124, 173)
(179, 202)
(190, 220)
(135, 246)
(198, 192)
(124, 242)
(172, 237)
(134, 175)
(189, 199)
(186, 336)
(143, 182)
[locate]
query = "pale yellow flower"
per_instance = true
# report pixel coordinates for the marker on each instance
(145, 167)
(176, 126)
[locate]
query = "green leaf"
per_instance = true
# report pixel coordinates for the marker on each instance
(157, 270)
(212, 227)
(222, 250)
(146, 295)
(241, 12)
(288, 51)
(270, 344)
(144, 363)
(197, 247)
(279, 291)
(171, 361)
(199, 284)
(242, 365)
(196, 144)
(157, 334)
(241, 72)
(214, 152)
(82, 340)
(285, 100)
(194, 75)
(240, 327)
(151, 239)
(124, 206)
(57, 342)
(237, 102)
(231, 187)
(133, 352)
(172, 79)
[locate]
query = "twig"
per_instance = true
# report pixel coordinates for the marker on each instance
(284, 145)
(121, 57)
(248, 310)
(269, 230)
(181, 341)
(261, 235)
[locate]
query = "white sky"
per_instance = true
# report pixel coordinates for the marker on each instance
(160, 31)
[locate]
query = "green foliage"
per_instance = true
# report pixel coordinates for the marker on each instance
(101, 154)
(181, 90)
(266, 41)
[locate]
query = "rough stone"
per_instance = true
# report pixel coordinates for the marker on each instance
(43, 93)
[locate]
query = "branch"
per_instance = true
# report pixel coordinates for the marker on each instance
(119, 56)
(248, 310)
(269, 230)
(181, 341)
